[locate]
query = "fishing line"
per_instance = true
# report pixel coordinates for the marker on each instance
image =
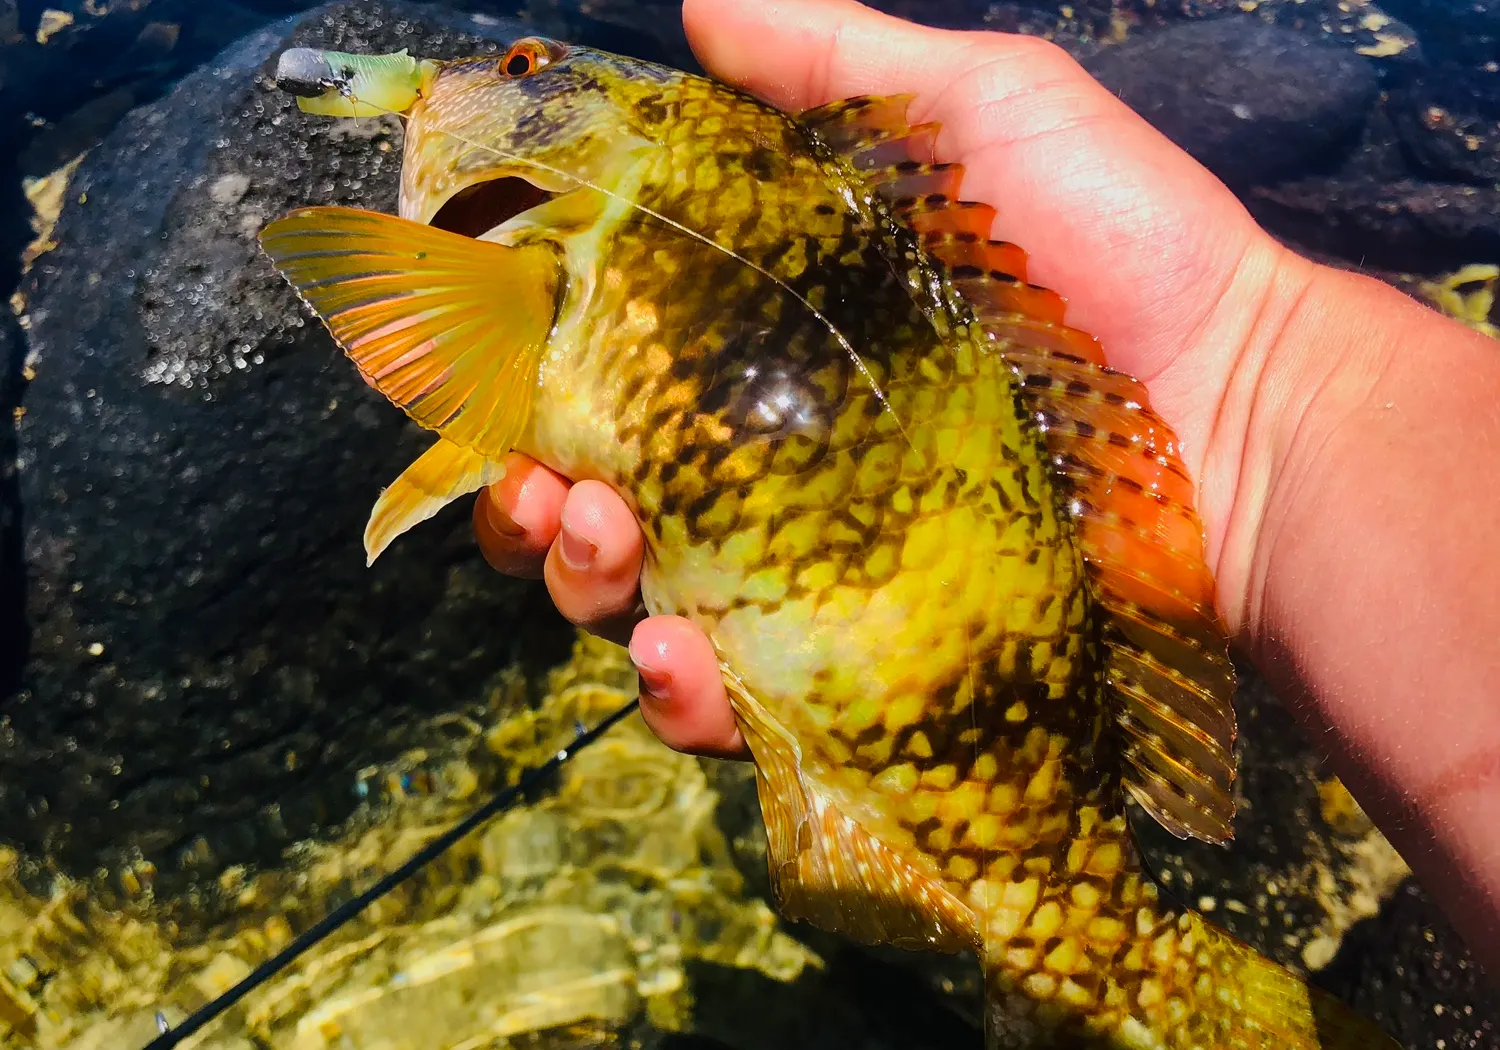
(170, 1037)
(688, 231)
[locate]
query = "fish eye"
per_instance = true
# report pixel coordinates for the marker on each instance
(528, 56)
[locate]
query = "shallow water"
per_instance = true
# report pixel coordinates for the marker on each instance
(216, 724)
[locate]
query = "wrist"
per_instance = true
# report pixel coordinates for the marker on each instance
(1356, 560)
(1318, 345)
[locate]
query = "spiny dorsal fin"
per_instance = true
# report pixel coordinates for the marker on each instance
(872, 134)
(902, 185)
(1129, 495)
(851, 126)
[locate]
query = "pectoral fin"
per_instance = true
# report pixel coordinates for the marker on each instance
(439, 476)
(449, 328)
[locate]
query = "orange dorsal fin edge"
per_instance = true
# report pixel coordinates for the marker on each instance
(1127, 491)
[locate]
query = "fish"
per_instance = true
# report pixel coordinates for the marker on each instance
(948, 558)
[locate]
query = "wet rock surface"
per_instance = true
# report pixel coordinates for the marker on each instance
(1250, 102)
(211, 674)
(1400, 970)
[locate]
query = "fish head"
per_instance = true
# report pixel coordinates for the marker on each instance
(489, 137)
(493, 135)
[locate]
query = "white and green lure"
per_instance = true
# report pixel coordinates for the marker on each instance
(339, 84)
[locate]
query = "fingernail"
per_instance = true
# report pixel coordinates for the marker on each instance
(577, 553)
(656, 681)
(500, 521)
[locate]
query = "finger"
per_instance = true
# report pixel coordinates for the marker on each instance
(593, 570)
(682, 691)
(516, 519)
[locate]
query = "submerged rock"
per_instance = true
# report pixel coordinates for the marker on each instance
(1450, 134)
(1407, 226)
(608, 912)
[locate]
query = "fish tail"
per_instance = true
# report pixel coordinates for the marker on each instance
(1093, 958)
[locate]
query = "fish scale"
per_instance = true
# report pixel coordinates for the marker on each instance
(947, 557)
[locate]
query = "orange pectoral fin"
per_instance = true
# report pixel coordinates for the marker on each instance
(448, 328)
(439, 476)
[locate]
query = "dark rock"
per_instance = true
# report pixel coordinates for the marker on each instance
(210, 661)
(1401, 969)
(1468, 31)
(1407, 226)
(1252, 102)
(1380, 157)
(1367, 28)
(1449, 133)
(91, 49)
(855, 1001)
(13, 628)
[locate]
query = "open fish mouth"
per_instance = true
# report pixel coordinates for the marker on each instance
(482, 207)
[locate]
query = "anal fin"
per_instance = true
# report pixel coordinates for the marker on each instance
(438, 477)
(828, 870)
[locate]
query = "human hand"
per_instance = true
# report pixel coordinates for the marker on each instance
(1338, 431)
(584, 542)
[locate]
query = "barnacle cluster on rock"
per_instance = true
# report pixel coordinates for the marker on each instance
(570, 916)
